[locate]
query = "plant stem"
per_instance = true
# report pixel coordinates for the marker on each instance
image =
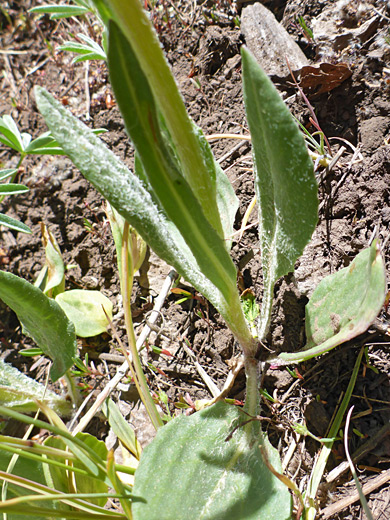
(252, 385)
(139, 379)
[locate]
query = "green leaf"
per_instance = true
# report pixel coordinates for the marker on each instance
(89, 484)
(285, 184)
(121, 428)
(10, 131)
(8, 172)
(25, 468)
(42, 319)
(128, 195)
(90, 49)
(228, 204)
(344, 304)
(56, 477)
(60, 11)
(51, 280)
(19, 392)
(12, 223)
(251, 309)
(198, 171)
(190, 467)
(45, 144)
(12, 189)
(82, 451)
(85, 310)
(137, 106)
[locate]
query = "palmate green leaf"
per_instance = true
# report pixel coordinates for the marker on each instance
(45, 144)
(12, 223)
(127, 194)
(42, 319)
(137, 106)
(285, 184)
(344, 305)
(89, 50)
(191, 471)
(11, 135)
(19, 392)
(85, 310)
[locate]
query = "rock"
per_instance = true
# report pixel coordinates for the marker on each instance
(269, 42)
(336, 29)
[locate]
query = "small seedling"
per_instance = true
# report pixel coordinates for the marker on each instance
(305, 29)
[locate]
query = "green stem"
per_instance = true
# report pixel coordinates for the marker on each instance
(139, 379)
(252, 386)
(237, 324)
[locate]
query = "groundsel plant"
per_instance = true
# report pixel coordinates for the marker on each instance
(181, 203)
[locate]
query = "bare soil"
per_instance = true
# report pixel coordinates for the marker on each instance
(202, 41)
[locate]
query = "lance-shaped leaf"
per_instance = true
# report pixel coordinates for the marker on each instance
(285, 184)
(58, 479)
(61, 11)
(344, 305)
(198, 171)
(10, 135)
(127, 194)
(198, 465)
(135, 100)
(12, 189)
(42, 319)
(12, 223)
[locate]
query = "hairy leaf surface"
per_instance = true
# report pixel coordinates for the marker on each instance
(285, 184)
(344, 304)
(128, 195)
(191, 471)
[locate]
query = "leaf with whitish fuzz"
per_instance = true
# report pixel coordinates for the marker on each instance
(198, 468)
(343, 305)
(20, 392)
(285, 184)
(128, 195)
